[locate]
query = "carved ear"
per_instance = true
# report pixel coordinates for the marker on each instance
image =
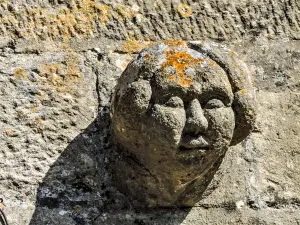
(240, 78)
(134, 98)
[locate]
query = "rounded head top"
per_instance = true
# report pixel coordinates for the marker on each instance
(189, 69)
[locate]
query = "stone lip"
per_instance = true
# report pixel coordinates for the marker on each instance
(191, 142)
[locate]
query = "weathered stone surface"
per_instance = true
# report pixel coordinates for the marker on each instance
(176, 109)
(257, 182)
(216, 216)
(140, 20)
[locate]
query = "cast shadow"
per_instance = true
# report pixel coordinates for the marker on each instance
(77, 188)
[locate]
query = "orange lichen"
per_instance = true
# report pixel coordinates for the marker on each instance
(180, 61)
(174, 42)
(172, 78)
(20, 73)
(147, 56)
(184, 10)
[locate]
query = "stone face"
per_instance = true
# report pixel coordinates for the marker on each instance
(176, 109)
(59, 64)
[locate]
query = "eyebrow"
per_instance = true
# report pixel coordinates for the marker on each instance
(218, 92)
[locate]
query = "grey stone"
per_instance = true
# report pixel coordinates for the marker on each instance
(176, 109)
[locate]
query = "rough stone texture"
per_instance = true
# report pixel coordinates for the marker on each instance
(176, 109)
(56, 80)
(191, 19)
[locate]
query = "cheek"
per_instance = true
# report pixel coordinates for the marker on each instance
(221, 125)
(167, 123)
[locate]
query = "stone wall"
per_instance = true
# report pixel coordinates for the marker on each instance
(59, 62)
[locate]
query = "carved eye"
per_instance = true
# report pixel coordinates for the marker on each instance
(214, 104)
(174, 102)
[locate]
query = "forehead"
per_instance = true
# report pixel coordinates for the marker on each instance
(187, 73)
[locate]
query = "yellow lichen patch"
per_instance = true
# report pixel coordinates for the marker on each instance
(212, 64)
(10, 132)
(48, 69)
(134, 46)
(73, 70)
(20, 73)
(37, 125)
(79, 19)
(232, 53)
(243, 92)
(51, 73)
(180, 61)
(61, 77)
(184, 10)
(250, 112)
(174, 42)
(124, 12)
(34, 109)
(104, 12)
(72, 62)
(21, 115)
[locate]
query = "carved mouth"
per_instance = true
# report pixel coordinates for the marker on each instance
(189, 143)
(185, 149)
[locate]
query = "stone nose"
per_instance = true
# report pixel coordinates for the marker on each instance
(195, 120)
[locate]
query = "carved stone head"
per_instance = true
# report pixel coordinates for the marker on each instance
(176, 110)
